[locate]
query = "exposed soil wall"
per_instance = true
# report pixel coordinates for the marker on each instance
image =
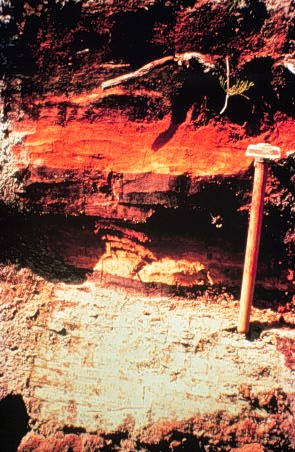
(124, 210)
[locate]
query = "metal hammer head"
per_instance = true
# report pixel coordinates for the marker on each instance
(263, 151)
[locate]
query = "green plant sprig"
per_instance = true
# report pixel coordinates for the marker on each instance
(237, 89)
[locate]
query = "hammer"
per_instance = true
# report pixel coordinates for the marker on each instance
(262, 153)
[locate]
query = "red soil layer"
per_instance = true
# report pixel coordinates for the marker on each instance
(115, 144)
(287, 347)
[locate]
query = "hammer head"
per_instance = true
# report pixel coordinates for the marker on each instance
(263, 151)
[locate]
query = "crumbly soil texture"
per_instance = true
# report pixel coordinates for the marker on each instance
(124, 206)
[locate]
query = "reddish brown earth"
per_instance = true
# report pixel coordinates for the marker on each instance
(143, 187)
(287, 347)
(115, 145)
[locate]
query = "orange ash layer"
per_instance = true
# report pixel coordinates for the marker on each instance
(116, 144)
